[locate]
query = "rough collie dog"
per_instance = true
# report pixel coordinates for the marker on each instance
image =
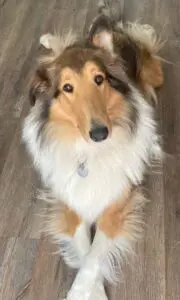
(91, 133)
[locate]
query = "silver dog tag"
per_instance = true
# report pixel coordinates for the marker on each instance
(82, 170)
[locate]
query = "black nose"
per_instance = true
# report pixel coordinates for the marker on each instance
(99, 133)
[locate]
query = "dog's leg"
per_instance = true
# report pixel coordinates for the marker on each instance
(75, 248)
(118, 227)
(71, 232)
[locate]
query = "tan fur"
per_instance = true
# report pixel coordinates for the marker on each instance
(74, 114)
(149, 75)
(112, 220)
(121, 218)
(152, 73)
(149, 44)
(75, 111)
(60, 219)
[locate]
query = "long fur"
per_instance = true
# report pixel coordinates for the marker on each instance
(123, 247)
(113, 166)
(107, 162)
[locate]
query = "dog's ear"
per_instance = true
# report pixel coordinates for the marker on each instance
(40, 86)
(129, 52)
(101, 33)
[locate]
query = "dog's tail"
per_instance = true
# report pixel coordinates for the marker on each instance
(113, 11)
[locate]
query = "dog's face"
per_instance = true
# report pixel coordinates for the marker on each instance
(84, 93)
(86, 90)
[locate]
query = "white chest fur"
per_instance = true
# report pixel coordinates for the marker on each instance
(112, 164)
(88, 195)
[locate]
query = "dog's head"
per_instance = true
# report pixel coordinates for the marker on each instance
(83, 92)
(86, 90)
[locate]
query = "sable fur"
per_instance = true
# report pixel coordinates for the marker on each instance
(138, 46)
(57, 134)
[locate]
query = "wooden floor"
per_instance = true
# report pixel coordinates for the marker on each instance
(28, 269)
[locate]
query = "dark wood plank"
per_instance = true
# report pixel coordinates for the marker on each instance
(22, 23)
(18, 194)
(170, 115)
(6, 248)
(172, 226)
(51, 278)
(17, 269)
(67, 15)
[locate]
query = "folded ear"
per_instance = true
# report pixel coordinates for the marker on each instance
(135, 44)
(40, 86)
(139, 46)
(101, 33)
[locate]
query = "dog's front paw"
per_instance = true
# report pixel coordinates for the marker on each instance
(78, 295)
(45, 40)
(98, 293)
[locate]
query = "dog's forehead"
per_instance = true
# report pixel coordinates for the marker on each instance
(76, 58)
(89, 68)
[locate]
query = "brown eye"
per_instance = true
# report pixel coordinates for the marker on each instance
(68, 88)
(99, 79)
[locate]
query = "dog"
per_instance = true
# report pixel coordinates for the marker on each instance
(92, 134)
